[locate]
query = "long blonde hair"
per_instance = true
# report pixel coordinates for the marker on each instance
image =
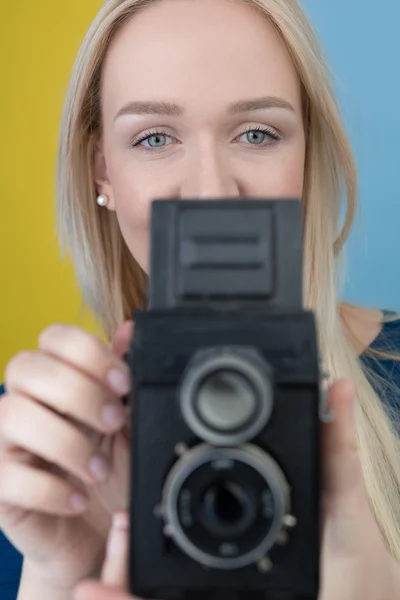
(113, 284)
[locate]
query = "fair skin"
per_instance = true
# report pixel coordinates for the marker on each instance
(207, 151)
(203, 152)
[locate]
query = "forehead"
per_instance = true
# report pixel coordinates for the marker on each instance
(192, 50)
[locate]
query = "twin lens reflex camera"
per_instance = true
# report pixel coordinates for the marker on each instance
(225, 408)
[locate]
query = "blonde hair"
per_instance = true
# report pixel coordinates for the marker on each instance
(113, 284)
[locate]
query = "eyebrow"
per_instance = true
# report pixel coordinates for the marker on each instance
(174, 110)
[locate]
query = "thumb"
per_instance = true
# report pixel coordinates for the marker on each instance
(115, 566)
(114, 575)
(122, 337)
(93, 590)
(342, 468)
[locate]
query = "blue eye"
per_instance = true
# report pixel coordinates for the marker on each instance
(259, 136)
(153, 140)
(157, 141)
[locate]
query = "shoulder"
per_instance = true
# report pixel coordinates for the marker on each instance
(381, 359)
(362, 325)
(383, 354)
(388, 339)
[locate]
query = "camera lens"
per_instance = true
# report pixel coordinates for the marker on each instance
(226, 395)
(224, 507)
(226, 400)
(228, 508)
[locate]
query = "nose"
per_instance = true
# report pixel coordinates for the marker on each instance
(208, 176)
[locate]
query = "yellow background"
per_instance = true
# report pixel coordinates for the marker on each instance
(39, 41)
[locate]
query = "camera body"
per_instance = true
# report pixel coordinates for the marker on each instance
(225, 403)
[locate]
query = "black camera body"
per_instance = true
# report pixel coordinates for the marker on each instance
(226, 400)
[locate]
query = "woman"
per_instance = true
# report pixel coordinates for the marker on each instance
(164, 102)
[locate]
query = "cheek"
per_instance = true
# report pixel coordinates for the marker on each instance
(279, 175)
(134, 188)
(132, 196)
(287, 178)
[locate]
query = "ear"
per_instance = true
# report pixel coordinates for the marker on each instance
(101, 179)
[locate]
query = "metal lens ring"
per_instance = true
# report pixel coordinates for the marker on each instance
(241, 535)
(226, 395)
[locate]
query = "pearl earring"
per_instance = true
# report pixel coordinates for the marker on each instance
(102, 200)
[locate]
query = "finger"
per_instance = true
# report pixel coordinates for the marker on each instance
(122, 338)
(114, 576)
(63, 388)
(22, 420)
(87, 353)
(47, 493)
(342, 469)
(115, 568)
(115, 491)
(92, 590)
(120, 344)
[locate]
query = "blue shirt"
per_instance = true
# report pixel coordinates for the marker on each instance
(389, 338)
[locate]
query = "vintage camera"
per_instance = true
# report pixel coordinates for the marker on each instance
(225, 407)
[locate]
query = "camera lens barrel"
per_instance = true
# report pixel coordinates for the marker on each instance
(224, 507)
(226, 395)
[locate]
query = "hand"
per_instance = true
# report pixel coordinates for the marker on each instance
(53, 508)
(355, 562)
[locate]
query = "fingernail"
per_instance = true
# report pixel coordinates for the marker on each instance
(113, 415)
(121, 521)
(328, 415)
(99, 468)
(119, 381)
(78, 502)
(116, 543)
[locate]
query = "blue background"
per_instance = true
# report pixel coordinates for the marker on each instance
(361, 40)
